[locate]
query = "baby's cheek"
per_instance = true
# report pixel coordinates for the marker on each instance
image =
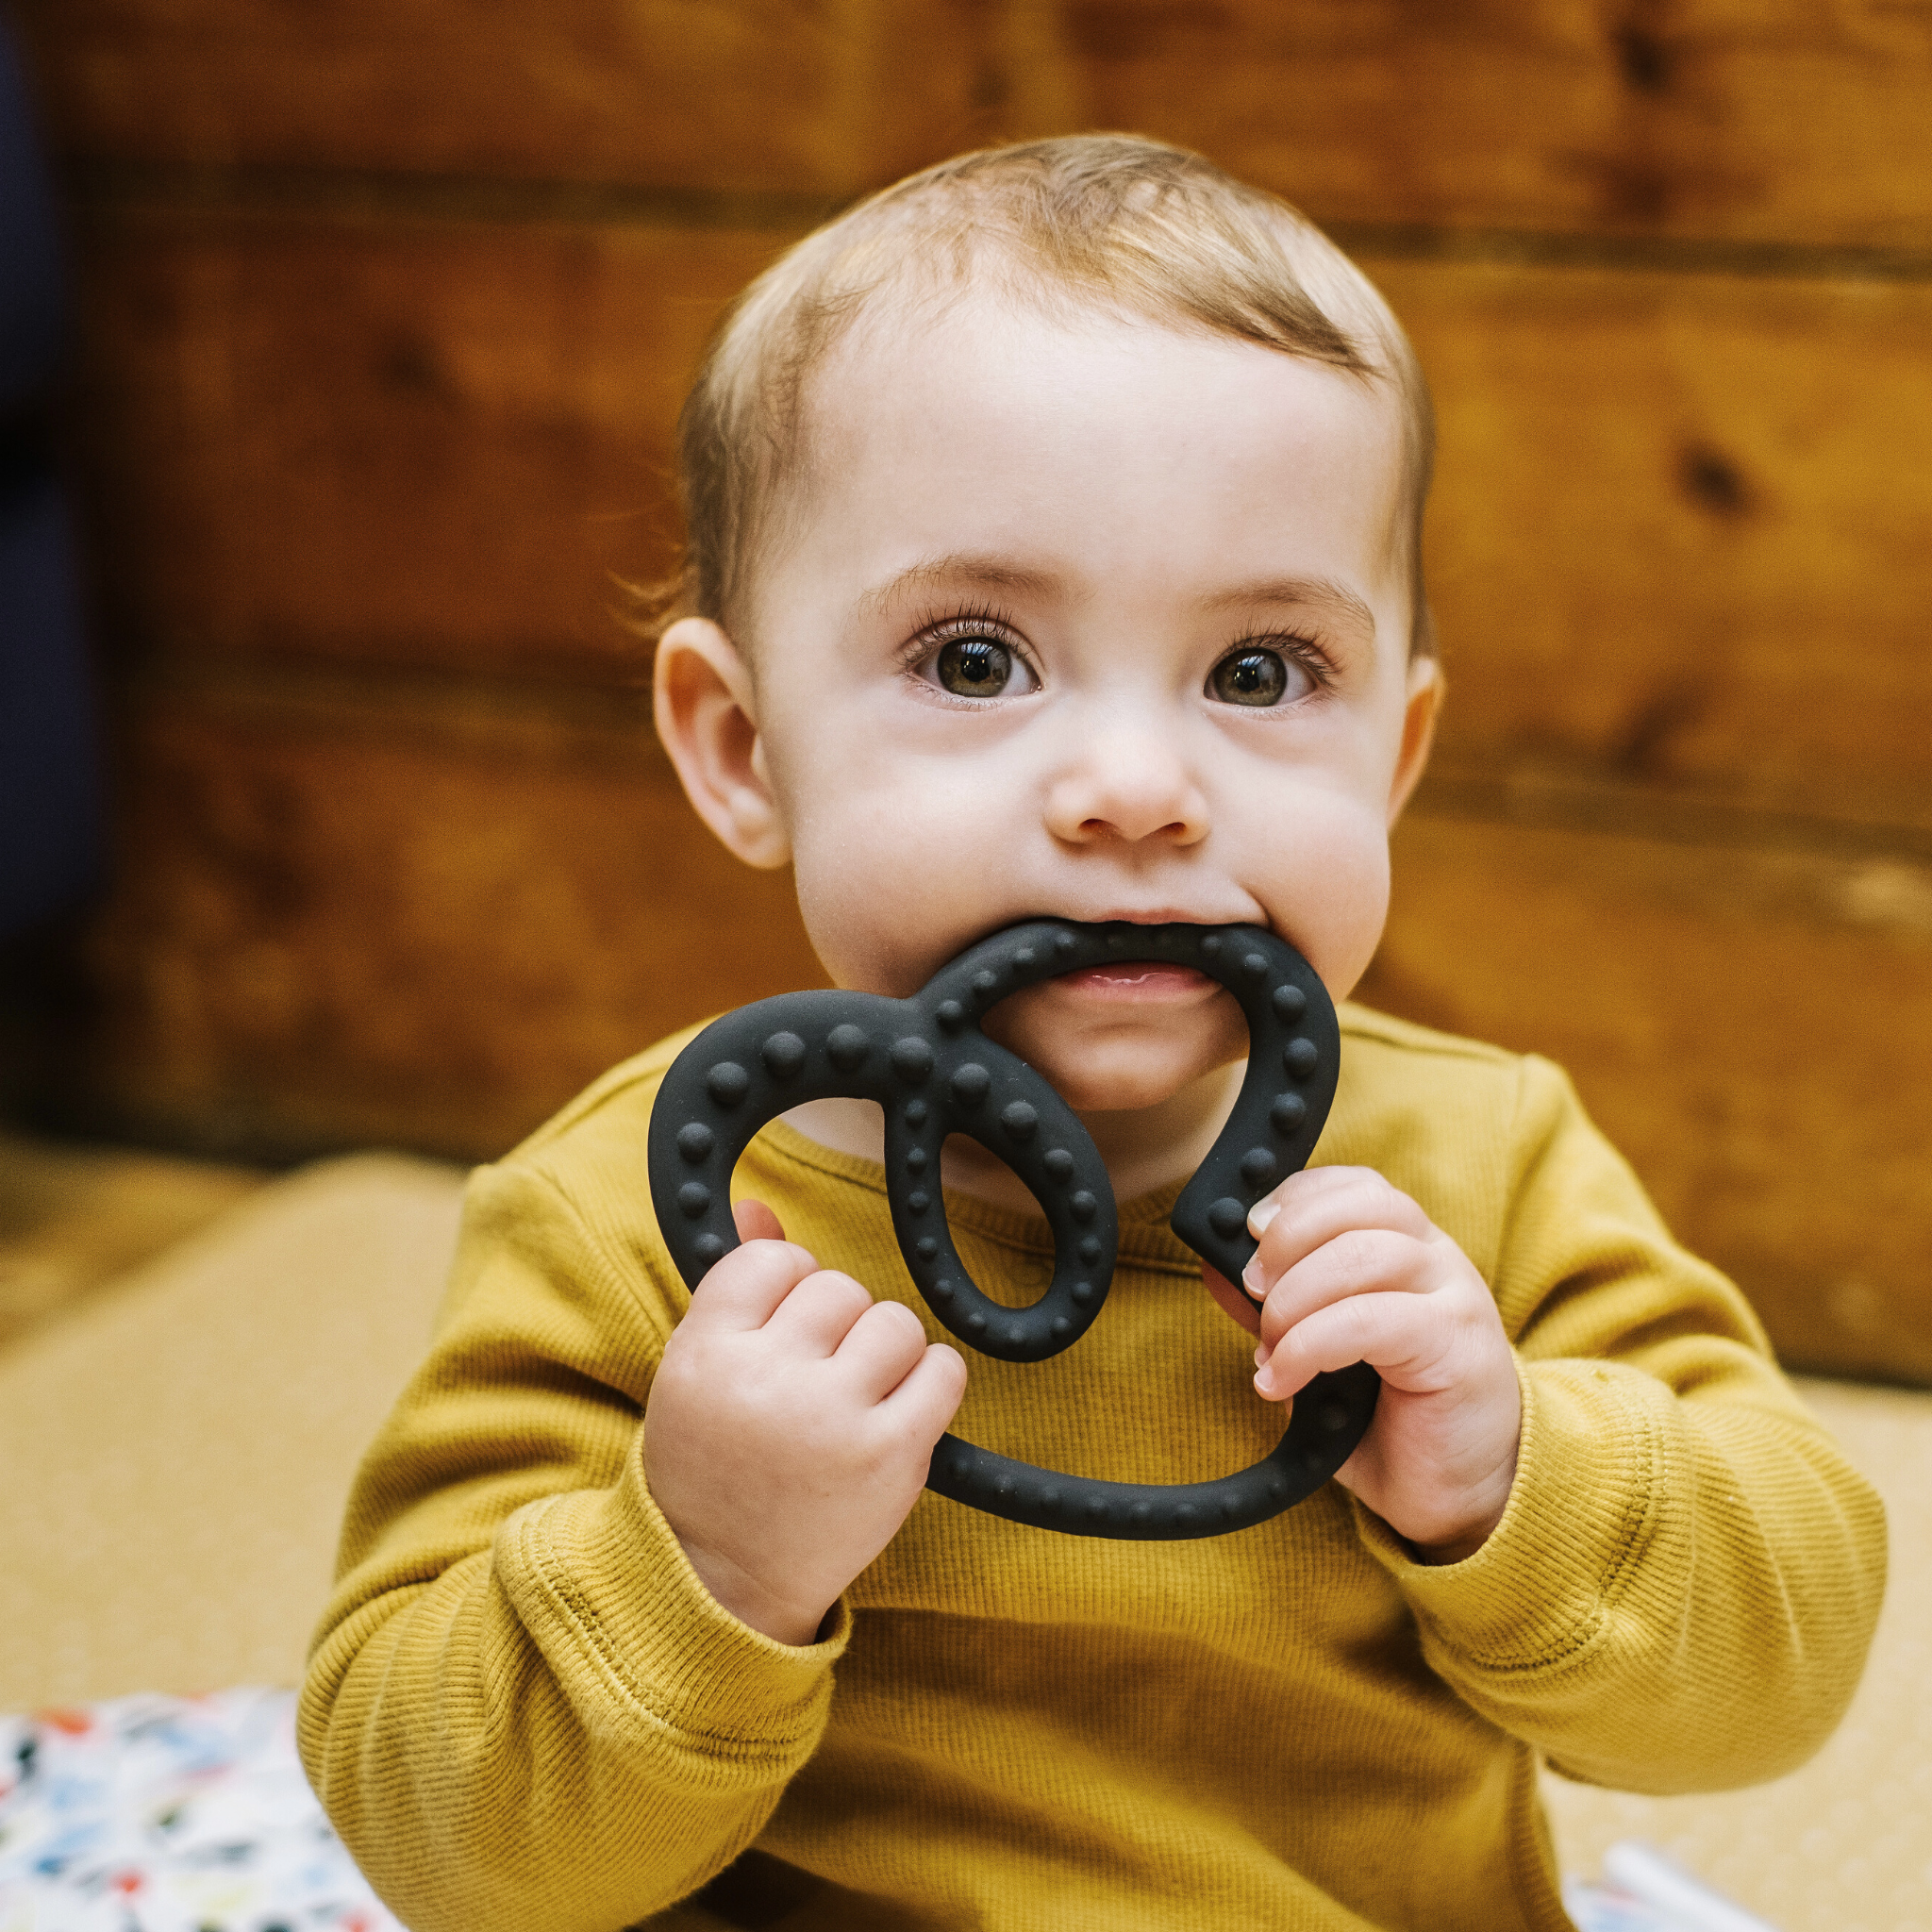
(1331, 901)
(877, 926)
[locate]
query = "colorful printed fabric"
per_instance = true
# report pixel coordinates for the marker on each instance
(170, 1814)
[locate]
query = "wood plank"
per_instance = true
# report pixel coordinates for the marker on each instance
(1748, 1025)
(1678, 538)
(1679, 532)
(392, 445)
(1781, 122)
(329, 933)
(1778, 121)
(781, 94)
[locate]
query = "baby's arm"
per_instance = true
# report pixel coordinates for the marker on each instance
(525, 1705)
(1681, 1585)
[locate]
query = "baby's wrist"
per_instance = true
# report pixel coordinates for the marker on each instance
(1455, 1549)
(1463, 1536)
(753, 1602)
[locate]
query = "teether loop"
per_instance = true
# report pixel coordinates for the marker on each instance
(934, 1073)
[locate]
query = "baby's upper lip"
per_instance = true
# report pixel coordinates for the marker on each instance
(1159, 915)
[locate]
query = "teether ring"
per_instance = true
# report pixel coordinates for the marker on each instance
(932, 1071)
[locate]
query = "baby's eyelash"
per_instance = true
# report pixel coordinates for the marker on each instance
(1305, 650)
(975, 620)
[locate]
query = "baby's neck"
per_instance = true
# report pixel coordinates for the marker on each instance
(1144, 1149)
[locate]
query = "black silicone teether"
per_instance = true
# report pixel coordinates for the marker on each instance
(934, 1073)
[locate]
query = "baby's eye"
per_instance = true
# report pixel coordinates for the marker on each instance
(1258, 675)
(980, 667)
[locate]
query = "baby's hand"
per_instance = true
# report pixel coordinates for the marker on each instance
(789, 1428)
(1349, 1269)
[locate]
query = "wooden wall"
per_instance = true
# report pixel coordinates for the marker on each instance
(387, 311)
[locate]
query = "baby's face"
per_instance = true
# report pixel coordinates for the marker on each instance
(1098, 620)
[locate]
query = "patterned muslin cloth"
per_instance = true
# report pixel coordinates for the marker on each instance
(170, 1814)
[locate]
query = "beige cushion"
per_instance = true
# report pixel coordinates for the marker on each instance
(177, 1451)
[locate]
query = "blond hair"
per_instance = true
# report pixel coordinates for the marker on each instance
(1099, 221)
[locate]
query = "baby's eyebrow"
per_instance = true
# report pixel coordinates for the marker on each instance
(1324, 594)
(963, 570)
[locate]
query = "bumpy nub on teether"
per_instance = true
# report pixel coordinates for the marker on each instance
(932, 1071)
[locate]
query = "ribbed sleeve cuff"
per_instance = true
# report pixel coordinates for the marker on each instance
(603, 1586)
(1539, 1593)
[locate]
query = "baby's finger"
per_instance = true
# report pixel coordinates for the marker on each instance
(743, 1289)
(819, 1313)
(1359, 1260)
(755, 1221)
(1314, 1208)
(926, 1400)
(881, 1350)
(1394, 1333)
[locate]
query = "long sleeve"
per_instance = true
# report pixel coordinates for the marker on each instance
(1681, 1592)
(521, 1707)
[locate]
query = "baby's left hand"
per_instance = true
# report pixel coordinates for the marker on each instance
(1350, 1270)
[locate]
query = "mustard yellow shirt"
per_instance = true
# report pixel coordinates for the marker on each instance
(523, 1710)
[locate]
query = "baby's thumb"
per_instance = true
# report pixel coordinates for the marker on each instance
(755, 1221)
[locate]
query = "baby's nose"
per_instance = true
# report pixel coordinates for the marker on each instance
(1129, 783)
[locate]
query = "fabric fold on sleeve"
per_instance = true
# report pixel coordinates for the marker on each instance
(1679, 1595)
(602, 1584)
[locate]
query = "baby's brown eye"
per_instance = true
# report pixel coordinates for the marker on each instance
(974, 667)
(1249, 678)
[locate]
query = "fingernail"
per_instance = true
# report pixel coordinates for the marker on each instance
(1252, 1282)
(1260, 1214)
(1260, 1355)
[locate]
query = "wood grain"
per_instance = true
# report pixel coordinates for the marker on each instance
(387, 314)
(1781, 121)
(333, 930)
(391, 444)
(782, 95)
(1747, 1026)
(1678, 538)
(1785, 122)
(1679, 532)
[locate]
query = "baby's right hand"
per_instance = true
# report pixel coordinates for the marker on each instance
(789, 1428)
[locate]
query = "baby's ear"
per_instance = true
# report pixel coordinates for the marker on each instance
(1421, 707)
(707, 719)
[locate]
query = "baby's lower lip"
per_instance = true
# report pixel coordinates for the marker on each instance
(1149, 981)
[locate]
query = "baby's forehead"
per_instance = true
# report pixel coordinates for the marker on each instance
(953, 346)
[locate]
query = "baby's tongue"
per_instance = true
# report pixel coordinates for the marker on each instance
(1131, 979)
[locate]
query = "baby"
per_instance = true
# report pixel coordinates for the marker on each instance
(1055, 525)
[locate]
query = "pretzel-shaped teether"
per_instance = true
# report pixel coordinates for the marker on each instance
(932, 1071)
